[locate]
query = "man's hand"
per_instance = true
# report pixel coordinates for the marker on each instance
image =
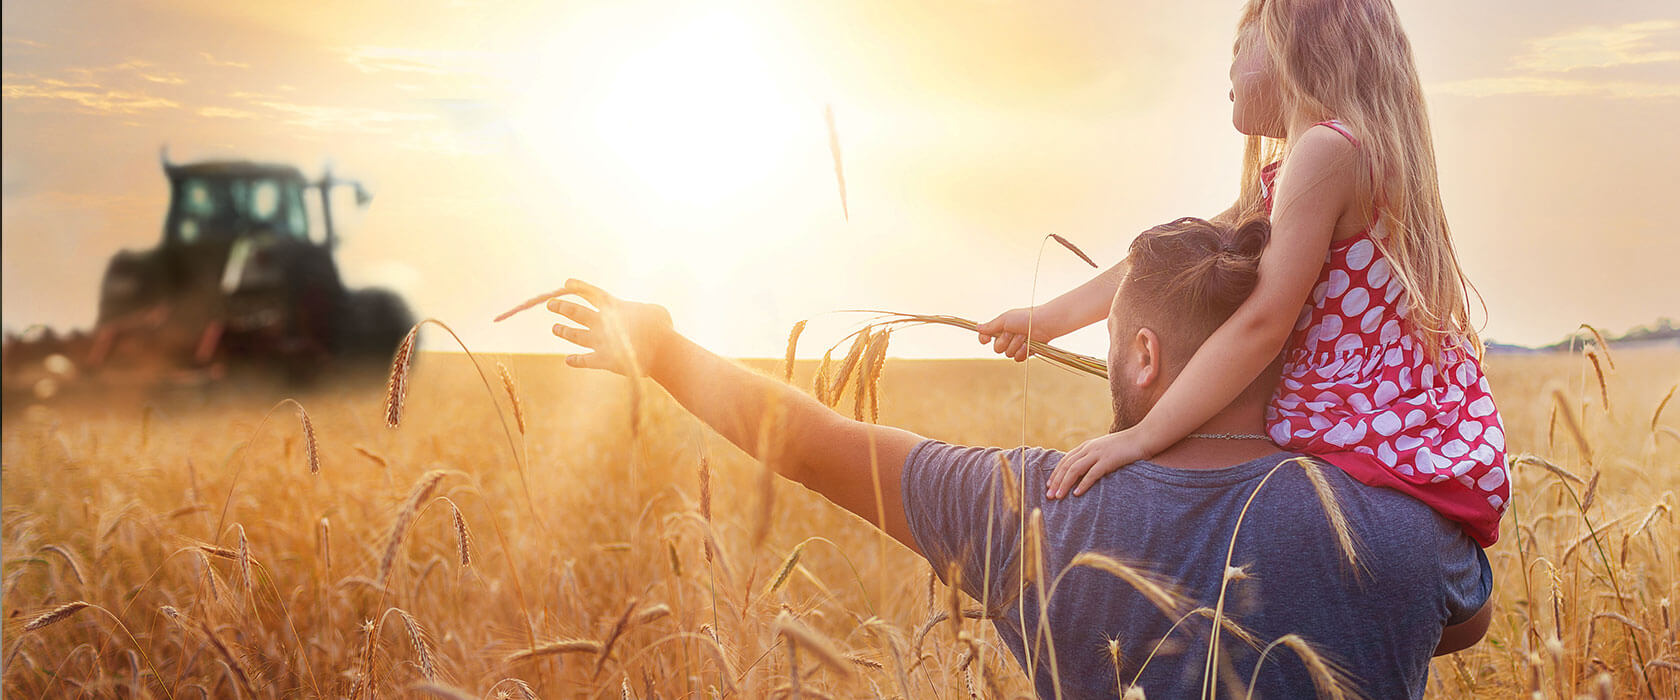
(627, 337)
(1093, 460)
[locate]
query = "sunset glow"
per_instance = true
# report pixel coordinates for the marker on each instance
(679, 151)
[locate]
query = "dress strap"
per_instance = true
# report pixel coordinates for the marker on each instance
(1376, 194)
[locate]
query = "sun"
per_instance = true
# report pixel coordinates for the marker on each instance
(700, 116)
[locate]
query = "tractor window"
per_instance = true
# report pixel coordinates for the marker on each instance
(195, 193)
(265, 199)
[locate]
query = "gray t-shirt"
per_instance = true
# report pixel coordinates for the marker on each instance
(1418, 571)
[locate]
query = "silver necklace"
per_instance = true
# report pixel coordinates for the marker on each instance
(1227, 436)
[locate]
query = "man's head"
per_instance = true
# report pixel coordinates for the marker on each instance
(1186, 278)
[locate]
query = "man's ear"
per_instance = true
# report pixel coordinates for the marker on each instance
(1146, 356)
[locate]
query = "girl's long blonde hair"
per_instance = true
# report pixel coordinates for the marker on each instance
(1351, 60)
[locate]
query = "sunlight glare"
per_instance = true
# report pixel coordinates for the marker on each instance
(699, 117)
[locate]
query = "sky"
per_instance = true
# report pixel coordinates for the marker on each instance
(677, 152)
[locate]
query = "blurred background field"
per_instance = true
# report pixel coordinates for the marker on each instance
(155, 509)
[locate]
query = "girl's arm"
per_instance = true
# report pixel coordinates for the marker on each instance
(1313, 190)
(1077, 308)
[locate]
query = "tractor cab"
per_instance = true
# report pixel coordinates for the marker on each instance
(222, 201)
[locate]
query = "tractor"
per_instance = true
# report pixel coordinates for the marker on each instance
(243, 278)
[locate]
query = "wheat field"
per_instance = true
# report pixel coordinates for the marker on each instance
(590, 539)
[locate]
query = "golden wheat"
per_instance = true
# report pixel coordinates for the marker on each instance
(103, 502)
(56, 615)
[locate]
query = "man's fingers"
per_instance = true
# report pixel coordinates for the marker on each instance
(576, 312)
(575, 336)
(587, 361)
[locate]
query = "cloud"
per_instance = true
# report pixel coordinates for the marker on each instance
(1603, 47)
(134, 67)
(18, 42)
(379, 59)
(220, 63)
(226, 113)
(1543, 86)
(88, 97)
(1604, 51)
(340, 119)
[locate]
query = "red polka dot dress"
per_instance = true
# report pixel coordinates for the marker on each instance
(1359, 391)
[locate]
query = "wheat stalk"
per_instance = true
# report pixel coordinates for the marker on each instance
(612, 637)
(463, 537)
(396, 385)
(1328, 678)
(834, 150)
(953, 598)
(438, 690)
(795, 633)
(1661, 405)
(69, 560)
(1080, 363)
(422, 648)
(1603, 391)
(705, 488)
(529, 303)
(233, 664)
(877, 355)
(421, 491)
(650, 614)
(323, 535)
(371, 456)
(1157, 589)
(1332, 510)
(1075, 249)
(819, 383)
(513, 396)
(311, 447)
(1573, 426)
(525, 691)
(1602, 345)
(837, 385)
(56, 615)
(555, 648)
(245, 564)
(785, 569)
(792, 345)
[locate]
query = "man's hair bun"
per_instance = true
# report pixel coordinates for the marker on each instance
(1197, 267)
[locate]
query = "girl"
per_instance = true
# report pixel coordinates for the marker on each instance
(1360, 286)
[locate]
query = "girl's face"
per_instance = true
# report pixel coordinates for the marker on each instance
(1257, 108)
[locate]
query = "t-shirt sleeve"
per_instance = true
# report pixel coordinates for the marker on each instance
(1468, 579)
(958, 511)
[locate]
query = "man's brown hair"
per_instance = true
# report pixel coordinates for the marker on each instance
(1188, 276)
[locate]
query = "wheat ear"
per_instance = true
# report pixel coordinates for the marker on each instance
(513, 396)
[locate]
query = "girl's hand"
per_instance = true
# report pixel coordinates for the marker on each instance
(1008, 332)
(1092, 461)
(627, 337)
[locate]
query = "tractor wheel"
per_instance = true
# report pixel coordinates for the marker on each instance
(375, 322)
(132, 282)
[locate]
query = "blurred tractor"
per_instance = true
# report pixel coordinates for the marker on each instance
(241, 279)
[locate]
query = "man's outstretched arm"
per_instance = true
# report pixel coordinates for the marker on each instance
(795, 434)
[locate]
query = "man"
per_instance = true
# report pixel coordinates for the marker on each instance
(1221, 520)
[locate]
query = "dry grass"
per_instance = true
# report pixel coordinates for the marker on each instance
(677, 565)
